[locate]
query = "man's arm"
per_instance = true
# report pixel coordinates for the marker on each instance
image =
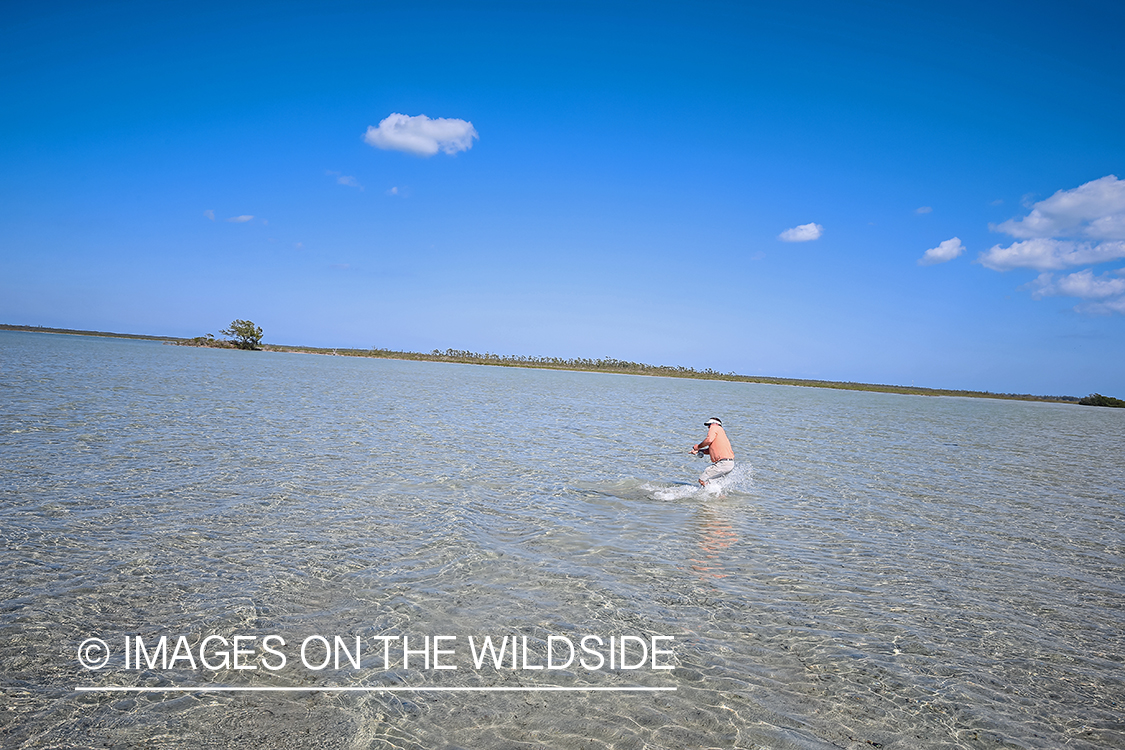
(704, 447)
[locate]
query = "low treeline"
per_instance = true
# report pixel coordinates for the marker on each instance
(610, 364)
(604, 364)
(77, 332)
(208, 340)
(1097, 399)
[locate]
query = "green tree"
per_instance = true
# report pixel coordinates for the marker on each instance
(1097, 399)
(244, 334)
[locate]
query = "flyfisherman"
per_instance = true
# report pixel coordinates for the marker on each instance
(717, 447)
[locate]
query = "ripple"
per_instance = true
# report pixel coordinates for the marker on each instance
(879, 570)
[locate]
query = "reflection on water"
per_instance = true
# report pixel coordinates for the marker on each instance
(880, 570)
(716, 538)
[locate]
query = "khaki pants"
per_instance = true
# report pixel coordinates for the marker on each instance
(722, 467)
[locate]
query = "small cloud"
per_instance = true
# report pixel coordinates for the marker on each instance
(802, 233)
(393, 191)
(1044, 254)
(299, 245)
(943, 253)
(1103, 308)
(240, 219)
(997, 202)
(420, 135)
(343, 179)
(209, 214)
(758, 255)
(1082, 284)
(1095, 210)
(342, 266)
(924, 210)
(1108, 290)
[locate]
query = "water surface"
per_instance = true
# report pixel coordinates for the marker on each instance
(880, 570)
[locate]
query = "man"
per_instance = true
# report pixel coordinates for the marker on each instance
(717, 446)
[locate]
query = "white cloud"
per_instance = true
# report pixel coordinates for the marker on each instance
(802, 233)
(923, 210)
(343, 179)
(1082, 226)
(1108, 290)
(421, 135)
(240, 219)
(944, 252)
(393, 191)
(1095, 210)
(209, 214)
(1050, 254)
(1082, 284)
(1103, 308)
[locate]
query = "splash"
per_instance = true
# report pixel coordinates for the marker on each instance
(739, 480)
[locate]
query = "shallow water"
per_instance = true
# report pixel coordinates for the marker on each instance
(880, 570)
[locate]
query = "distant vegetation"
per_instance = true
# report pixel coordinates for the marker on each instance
(76, 332)
(243, 335)
(207, 340)
(246, 335)
(609, 364)
(1097, 399)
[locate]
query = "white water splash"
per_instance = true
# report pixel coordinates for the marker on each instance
(739, 480)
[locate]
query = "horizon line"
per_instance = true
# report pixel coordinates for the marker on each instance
(572, 364)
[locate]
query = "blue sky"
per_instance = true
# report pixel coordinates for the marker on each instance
(607, 179)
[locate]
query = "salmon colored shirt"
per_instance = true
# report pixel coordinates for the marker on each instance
(717, 442)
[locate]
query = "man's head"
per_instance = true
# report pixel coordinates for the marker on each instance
(713, 420)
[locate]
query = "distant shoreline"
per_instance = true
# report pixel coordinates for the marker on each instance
(76, 332)
(580, 365)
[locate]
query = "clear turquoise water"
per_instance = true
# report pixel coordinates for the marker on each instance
(881, 570)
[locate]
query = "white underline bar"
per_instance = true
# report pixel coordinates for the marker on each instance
(329, 689)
